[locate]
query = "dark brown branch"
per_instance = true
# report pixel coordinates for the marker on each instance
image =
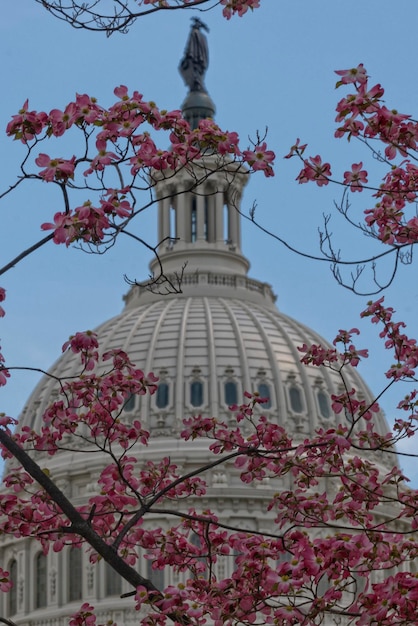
(26, 253)
(81, 526)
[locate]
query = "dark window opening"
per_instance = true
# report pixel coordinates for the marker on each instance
(231, 392)
(75, 574)
(226, 224)
(113, 581)
(324, 404)
(40, 577)
(13, 591)
(206, 222)
(130, 403)
(196, 393)
(200, 561)
(156, 576)
(194, 220)
(264, 391)
(161, 399)
(295, 400)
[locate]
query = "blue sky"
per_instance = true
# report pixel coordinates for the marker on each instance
(273, 68)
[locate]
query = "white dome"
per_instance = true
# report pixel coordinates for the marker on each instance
(228, 337)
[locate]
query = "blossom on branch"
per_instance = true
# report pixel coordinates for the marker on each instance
(354, 75)
(238, 6)
(260, 159)
(55, 169)
(297, 149)
(315, 170)
(355, 178)
(5, 582)
(2, 299)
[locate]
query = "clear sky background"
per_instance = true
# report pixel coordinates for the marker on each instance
(273, 68)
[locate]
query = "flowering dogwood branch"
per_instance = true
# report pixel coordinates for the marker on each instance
(363, 115)
(122, 160)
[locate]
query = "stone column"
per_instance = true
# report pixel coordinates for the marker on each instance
(164, 219)
(200, 209)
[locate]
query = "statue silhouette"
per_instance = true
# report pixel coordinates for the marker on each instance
(195, 60)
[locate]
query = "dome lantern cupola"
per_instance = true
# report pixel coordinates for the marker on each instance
(199, 206)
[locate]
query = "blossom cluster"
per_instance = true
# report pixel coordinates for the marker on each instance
(319, 355)
(230, 7)
(280, 576)
(335, 549)
(363, 115)
(239, 7)
(405, 348)
(118, 144)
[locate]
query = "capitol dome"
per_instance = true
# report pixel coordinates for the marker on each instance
(221, 336)
(209, 333)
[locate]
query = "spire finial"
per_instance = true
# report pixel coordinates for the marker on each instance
(198, 104)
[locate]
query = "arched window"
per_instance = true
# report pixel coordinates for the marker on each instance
(196, 393)
(12, 596)
(162, 396)
(295, 400)
(264, 391)
(130, 403)
(231, 392)
(113, 582)
(40, 577)
(323, 404)
(75, 574)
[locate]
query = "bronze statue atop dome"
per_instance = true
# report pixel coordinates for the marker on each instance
(195, 60)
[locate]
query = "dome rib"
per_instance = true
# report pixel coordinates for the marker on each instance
(181, 366)
(310, 410)
(213, 385)
(139, 320)
(244, 366)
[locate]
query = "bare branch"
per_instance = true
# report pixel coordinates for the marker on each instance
(119, 17)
